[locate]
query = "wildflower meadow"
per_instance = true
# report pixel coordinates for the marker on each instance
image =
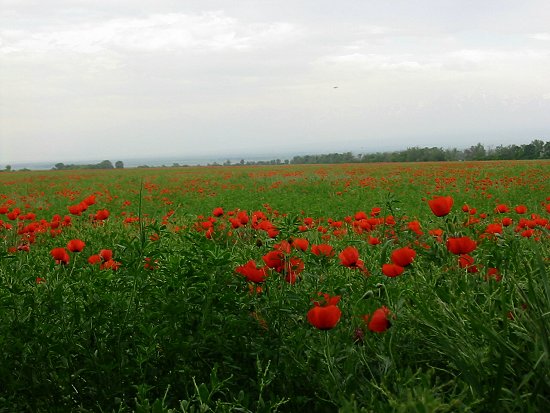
(314, 288)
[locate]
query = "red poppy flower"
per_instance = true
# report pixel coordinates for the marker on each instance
(392, 270)
(110, 265)
(101, 215)
(75, 245)
(441, 205)
(235, 223)
(373, 240)
(501, 209)
(322, 250)
(336, 224)
(493, 273)
(205, 225)
(403, 256)
(326, 316)
(300, 243)
(361, 225)
(66, 221)
(461, 245)
(292, 269)
(437, 234)
(90, 200)
(106, 255)
(494, 229)
(274, 259)
(217, 212)
(75, 209)
(375, 211)
(60, 255)
(349, 257)
(507, 221)
(272, 232)
(379, 321)
(467, 261)
(283, 246)
(209, 233)
(251, 272)
(308, 221)
(414, 226)
(243, 217)
(521, 209)
(94, 259)
(322, 229)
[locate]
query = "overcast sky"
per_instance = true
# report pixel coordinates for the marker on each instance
(92, 79)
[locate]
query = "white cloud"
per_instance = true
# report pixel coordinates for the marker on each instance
(372, 61)
(540, 36)
(209, 31)
(461, 60)
(484, 55)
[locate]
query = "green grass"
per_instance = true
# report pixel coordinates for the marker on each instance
(191, 335)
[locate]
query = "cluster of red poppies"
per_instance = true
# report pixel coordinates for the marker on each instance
(104, 258)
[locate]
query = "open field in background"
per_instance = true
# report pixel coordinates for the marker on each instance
(282, 288)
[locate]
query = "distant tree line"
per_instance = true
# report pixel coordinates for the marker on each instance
(101, 165)
(242, 162)
(537, 149)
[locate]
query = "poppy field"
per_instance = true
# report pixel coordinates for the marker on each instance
(352, 288)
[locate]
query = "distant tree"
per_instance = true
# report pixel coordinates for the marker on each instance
(504, 152)
(119, 164)
(59, 166)
(539, 146)
(515, 152)
(453, 154)
(475, 153)
(106, 164)
(528, 151)
(7, 168)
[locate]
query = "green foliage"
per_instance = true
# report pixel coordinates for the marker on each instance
(176, 329)
(537, 149)
(106, 164)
